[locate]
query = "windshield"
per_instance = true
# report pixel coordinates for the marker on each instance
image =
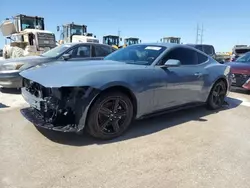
(131, 41)
(111, 40)
(77, 30)
(244, 59)
(139, 54)
(31, 23)
(56, 51)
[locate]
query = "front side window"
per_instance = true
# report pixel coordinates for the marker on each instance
(80, 52)
(139, 54)
(185, 56)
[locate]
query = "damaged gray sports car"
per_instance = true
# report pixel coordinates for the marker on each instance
(135, 82)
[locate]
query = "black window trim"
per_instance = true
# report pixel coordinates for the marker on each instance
(194, 49)
(77, 46)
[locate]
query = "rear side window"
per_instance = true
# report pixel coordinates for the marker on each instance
(102, 51)
(185, 56)
(201, 58)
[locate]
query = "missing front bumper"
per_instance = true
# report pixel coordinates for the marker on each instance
(37, 119)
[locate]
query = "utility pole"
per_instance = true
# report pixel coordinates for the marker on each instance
(199, 34)
(119, 33)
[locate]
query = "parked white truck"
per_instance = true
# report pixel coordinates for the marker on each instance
(26, 35)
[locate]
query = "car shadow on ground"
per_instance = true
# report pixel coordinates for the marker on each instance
(10, 91)
(3, 106)
(240, 90)
(142, 127)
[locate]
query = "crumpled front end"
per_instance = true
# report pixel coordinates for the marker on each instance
(60, 109)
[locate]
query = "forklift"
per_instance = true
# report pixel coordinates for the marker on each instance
(175, 40)
(112, 40)
(130, 41)
(75, 33)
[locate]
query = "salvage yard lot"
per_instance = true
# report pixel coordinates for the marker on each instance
(191, 148)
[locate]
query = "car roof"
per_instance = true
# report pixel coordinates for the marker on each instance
(199, 44)
(168, 45)
(91, 43)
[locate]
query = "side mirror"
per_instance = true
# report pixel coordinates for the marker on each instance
(140, 41)
(66, 57)
(172, 63)
(120, 39)
(58, 28)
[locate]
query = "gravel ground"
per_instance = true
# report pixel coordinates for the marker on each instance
(187, 149)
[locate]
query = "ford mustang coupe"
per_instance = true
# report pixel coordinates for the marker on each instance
(103, 97)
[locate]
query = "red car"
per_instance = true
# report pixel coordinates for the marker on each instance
(240, 69)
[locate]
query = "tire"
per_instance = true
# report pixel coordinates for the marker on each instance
(107, 118)
(17, 52)
(217, 95)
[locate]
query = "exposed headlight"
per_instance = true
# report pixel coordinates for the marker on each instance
(10, 66)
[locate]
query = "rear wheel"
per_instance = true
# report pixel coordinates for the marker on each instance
(217, 95)
(110, 115)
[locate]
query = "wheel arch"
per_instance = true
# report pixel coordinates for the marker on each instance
(221, 78)
(125, 90)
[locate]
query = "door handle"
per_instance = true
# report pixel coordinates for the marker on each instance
(198, 74)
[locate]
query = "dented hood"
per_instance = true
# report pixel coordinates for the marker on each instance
(77, 73)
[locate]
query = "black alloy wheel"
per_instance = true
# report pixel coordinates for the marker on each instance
(110, 115)
(217, 95)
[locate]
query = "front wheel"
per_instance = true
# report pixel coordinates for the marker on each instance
(217, 95)
(110, 115)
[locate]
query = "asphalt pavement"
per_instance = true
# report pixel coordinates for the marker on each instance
(186, 149)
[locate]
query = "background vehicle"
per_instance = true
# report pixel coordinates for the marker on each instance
(10, 69)
(112, 40)
(206, 48)
(209, 50)
(240, 69)
(27, 36)
(239, 50)
(174, 40)
(130, 41)
(134, 82)
(75, 33)
(223, 57)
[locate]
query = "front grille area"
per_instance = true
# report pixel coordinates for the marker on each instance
(36, 89)
(240, 79)
(48, 103)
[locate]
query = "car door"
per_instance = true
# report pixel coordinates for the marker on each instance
(101, 51)
(179, 85)
(80, 53)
